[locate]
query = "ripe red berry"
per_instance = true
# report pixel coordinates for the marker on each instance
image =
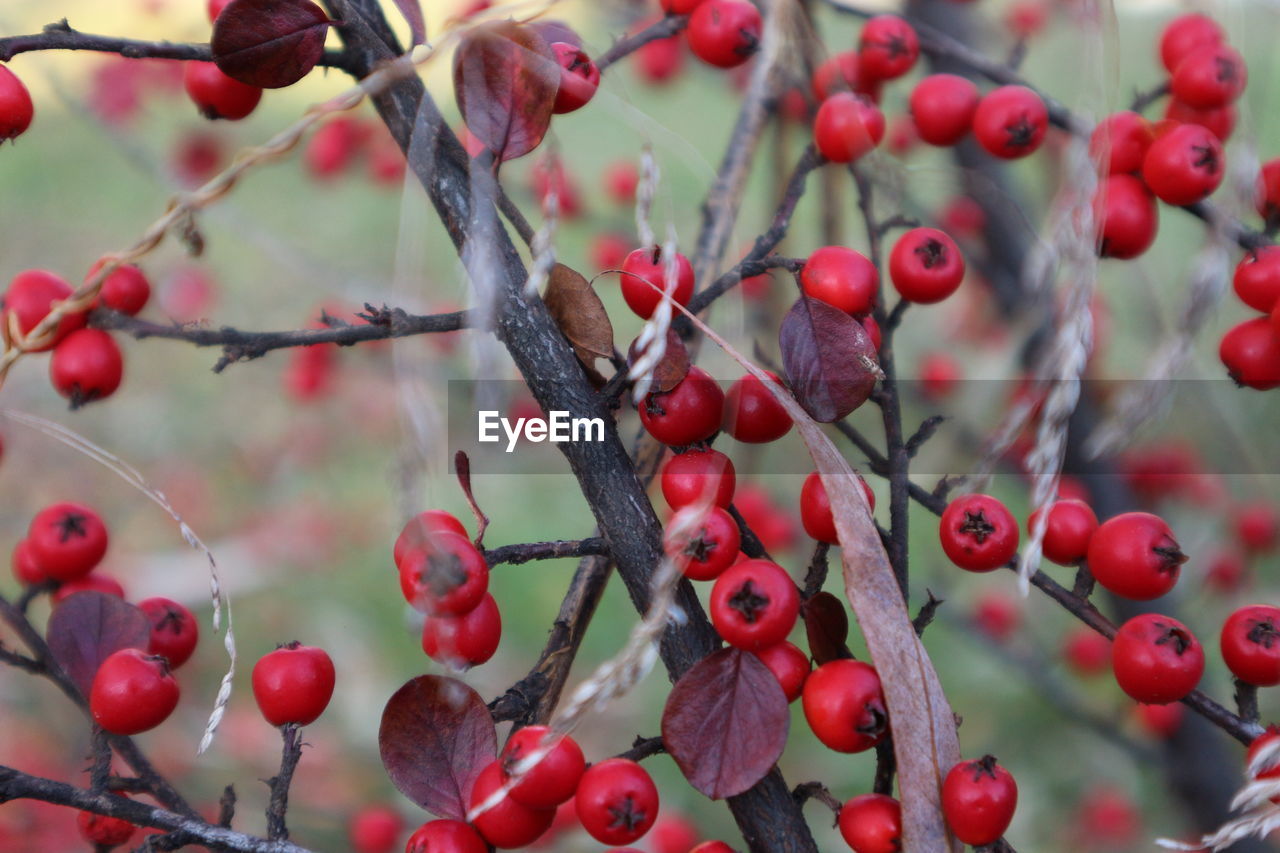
(1220, 122)
(215, 8)
(132, 692)
(506, 824)
(713, 546)
(1070, 526)
(815, 508)
(672, 834)
(467, 640)
(942, 107)
(939, 374)
(1184, 35)
(216, 95)
(643, 271)
(1184, 165)
(375, 829)
(789, 665)
(1251, 644)
(873, 331)
(1209, 77)
(888, 48)
(293, 684)
(104, 832)
(67, 540)
(1156, 659)
(1010, 122)
(16, 109)
(872, 823)
(418, 531)
(24, 565)
(579, 78)
(446, 836)
(978, 800)
(978, 534)
(1257, 278)
(125, 290)
(844, 705)
(847, 127)
(1125, 216)
(1226, 572)
(617, 802)
(620, 181)
(1267, 196)
(996, 615)
(1161, 721)
(1258, 526)
(1120, 142)
(1087, 652)
(688, 413)
(1251, 353)
(754, 605)
(1135, 555)
(334, 146)
(30, 295)
(841, 277)
(843, 73)
(95, 581)
(660, 60)
(174, 630)
(926, 266)
(554, 778)
(698, 476)
(724, 33)
(752, 414)
(679, 7)
(446, 575)
(87, 366)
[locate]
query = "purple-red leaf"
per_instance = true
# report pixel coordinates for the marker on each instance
(412, 12)
(435, 738)
(829, 358)
(827, 627)
(88, 627)
(505, 77)
(269, 43)
(557, 31)
(726, 723)
(671, 368)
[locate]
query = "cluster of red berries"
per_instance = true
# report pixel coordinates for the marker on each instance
(723, 33)
(342, 142)
(1251, 350)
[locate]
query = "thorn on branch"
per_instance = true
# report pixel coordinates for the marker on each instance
(927, 613)
(643, 747)
(806, 791)
(816, 577)
(520, 703)
(925, 432)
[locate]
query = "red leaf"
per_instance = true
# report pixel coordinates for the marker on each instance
(827, 355)
(726, 723)
(412, 12)
(505, 78)
(435, 738)
(88, 627)
(269, 43)
(827, 626)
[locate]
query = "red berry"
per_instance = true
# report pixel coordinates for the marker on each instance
(132, 692)
(660, 60)
(67, 540)
(1010, 122)
(293, 684)
(673, 834)
(926, 266)
(125, 290)
(1125, 216)
(579, 78)
(939, 374)
(724, 33)
(679, 7)
(31, 293)
(688, 413)
(847, 127)
(16, 109)
(888, 48)
(1135, 555)
(1226, 573)
(1210, 77)
(978, 534)
(334, 147)
(1087, 652)
(216, 95)
(872, 823)
(942, 107)
(1070, 526)
(996, 615)
(174, 630)
(1156, 659)
(789, 665)
(554, 778)
(978, 800)
(467, 640)
(375, 829)
(1120, 142)
(754, 605)
(752, 414)
(1258, 526)
(712, 547)
(1184, 35)
(1251, 645)
(1267, 197)
(507, 824)
(620, 181)
(1251, 352)
(698, 476)
(95, 581)
(1257, 278)
(104, 832)
(24, 565)
(215, 8)
(815, 508)
(844, 705)
(644, 279)
(873, 331)
(418, 531)
(446, 836)
(1184, 165)
(1161, 721)
(1220, 122)
(446, 575)
(843, 73)
(1272, 772)
(609, 250)
(1026, 18)
(617, 802)
(841, 277)
(87, 366)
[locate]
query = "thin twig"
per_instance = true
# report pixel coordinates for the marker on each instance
(278, 807)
